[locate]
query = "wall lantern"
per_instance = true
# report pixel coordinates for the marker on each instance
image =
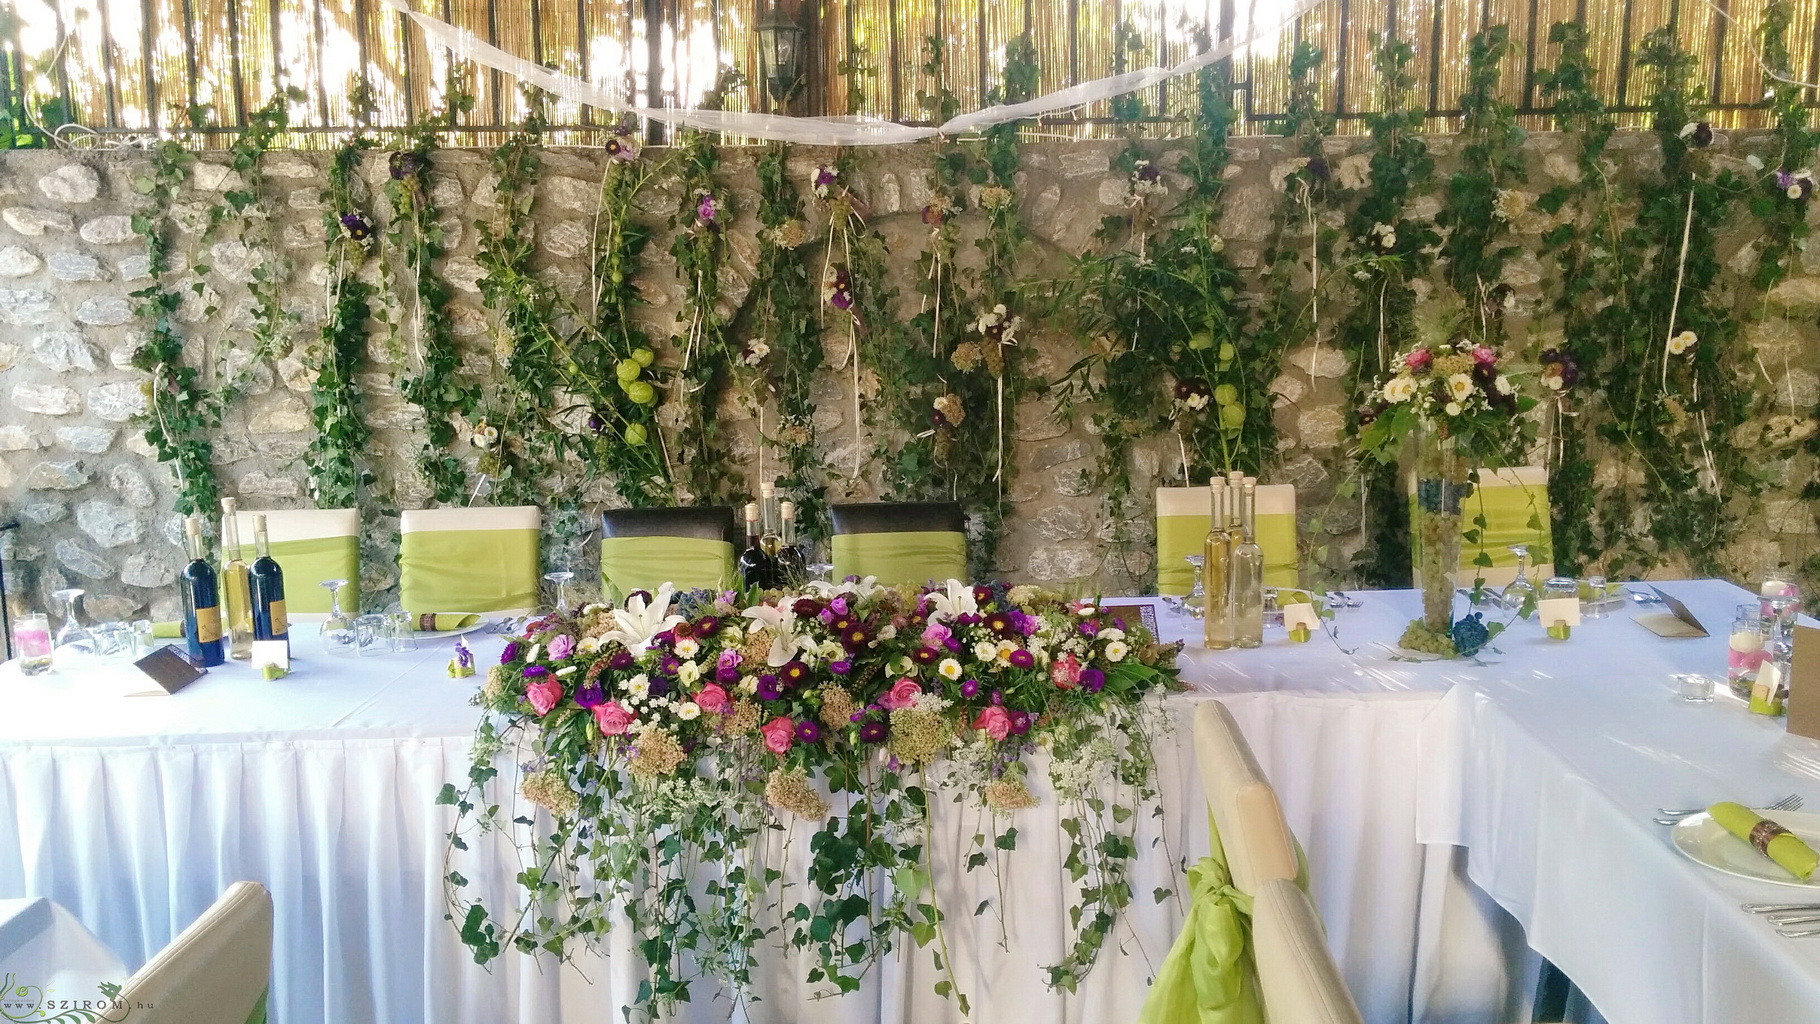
(783, 55)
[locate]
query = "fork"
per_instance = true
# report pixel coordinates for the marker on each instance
(1665, 816)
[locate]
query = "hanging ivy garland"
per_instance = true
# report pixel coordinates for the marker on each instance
(447, 397)
(334, 453)
(1481, 201)
(703, 216)
(783, 347)
(1391, 250)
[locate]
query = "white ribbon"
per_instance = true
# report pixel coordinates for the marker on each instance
(831, 131)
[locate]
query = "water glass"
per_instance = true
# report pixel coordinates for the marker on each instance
(143, 638)
(338, 629)
(113, 640)
(1693, 687)
(1779, 584)
(1595, 609)
(404, 638)
(372, 635)
(32, 643)
(1747, 649)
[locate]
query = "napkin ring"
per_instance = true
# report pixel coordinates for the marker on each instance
(1763, 833)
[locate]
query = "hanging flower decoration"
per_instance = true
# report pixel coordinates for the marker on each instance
(1797, 186)
(998, 325)
(1382, 238)
(406, 165)
(1559, 370)
(707, 211)
(1192, 394)
(356, 227)
(754, 353)
(948, 412)
(1698, 134)
(1147, 183)
(790, 234)
(824, 181)
(1681, 343)
(938, 210)
(622, 145)
(837, 287)
(1509, 204)
(486, 436)
(996, 197)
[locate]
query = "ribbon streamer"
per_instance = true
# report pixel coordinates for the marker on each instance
(831, 130)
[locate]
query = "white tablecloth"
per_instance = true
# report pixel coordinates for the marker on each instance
(49, 961)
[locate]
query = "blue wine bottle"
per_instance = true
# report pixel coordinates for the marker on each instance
(269, 619)
(201, 601)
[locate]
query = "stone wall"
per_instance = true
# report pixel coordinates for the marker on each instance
(95, 508)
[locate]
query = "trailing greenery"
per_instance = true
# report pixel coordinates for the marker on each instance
(447, 396)
(335, 456)
(1481, 202)
(1392, 250)
(1584, 246)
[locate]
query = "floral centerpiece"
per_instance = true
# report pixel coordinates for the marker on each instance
(1454, 402)
(662, 744)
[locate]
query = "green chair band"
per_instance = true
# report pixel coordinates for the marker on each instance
(1177, 537)
(1209, 976)
(468, 570)
(1507, 509)
(306, 563)
(646, 563)
(915, 557)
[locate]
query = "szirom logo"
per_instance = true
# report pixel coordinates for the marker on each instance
(21, 1003)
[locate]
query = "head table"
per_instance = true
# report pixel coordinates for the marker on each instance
(1542, 761)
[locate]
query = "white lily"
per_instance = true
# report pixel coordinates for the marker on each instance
(863, 588)
(640, 620)
(780, 619)
(958, 600)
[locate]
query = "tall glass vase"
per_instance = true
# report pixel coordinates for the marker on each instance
(1441, 485)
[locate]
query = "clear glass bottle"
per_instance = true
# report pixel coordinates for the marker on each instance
(236, 588)
(771, 538)
(1247, 570)
(1216, 566)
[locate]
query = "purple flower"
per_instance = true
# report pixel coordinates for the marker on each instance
(839, 605)
(406, 164)
(726, 674)
(768, 688)
(925, 655)
(596, 424)
(840, 668)
(356, 227)
(841, 299)
(707, 625)
(1149, 172)
(706, 209)
(1784, 180)
(621, 659)
(796, 673)
(729, 659)
(1020, 722)
(591, 695)
(660, 687)
(970, 688)
(668, 665)
(535, 671)
(874, 732)
(824, 177)
(808, 730)
(1317, 169)
(621, 148)
(562, 647)
(510, 654)
(1092, 680)
(1021, 658)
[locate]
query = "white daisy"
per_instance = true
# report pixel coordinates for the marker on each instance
(1454, 408)
(688, 711)
(949, 668)
(1460, 387)
(1398, 390)
(1116, 651)
(637, 686)
(687, 648)
(1680, 343)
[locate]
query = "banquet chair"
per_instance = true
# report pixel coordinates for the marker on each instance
(1509, 500)
(469, 560)
(910, 542)
(1182, 518)
(1247, 818)
(216, 971)
(311, 545)
(1297, 979)
(644, 548)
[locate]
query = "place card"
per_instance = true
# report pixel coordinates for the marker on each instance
(162, 673)
(272, 658)
(1804, 684)
(1301, 620)
(1558, 611)
(1675, 623)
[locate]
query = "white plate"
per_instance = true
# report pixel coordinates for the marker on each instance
(1706, 842)
(444, 634)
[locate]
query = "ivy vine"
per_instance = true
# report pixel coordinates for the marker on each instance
(334, 456)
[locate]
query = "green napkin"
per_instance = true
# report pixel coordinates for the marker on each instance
(167, 630)
(435, 622)
(1795, 856)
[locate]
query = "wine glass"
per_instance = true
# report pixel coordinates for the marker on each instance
(72, 637)
(561, 578)
(337, 629)
(1195, 602)
(1519, 589)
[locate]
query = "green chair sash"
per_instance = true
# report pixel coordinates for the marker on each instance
(1209, 976)
(914, 557)
(307, 563)
(468, 570)
(646, 563)
(1177, 537)
(1508, 509)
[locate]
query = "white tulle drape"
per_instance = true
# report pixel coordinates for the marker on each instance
(845, 131)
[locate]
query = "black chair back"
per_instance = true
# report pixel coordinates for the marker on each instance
(899, 517)
(711, 522)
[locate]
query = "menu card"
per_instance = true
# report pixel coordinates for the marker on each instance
(161, 673)
(1804, 684)
(1674, 623)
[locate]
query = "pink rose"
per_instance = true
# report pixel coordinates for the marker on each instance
(613, 719)
(544, 695)
(1484, 356)
(562, 647)
(1419, 359)
(1065, 672)
(903, 694)
(935, 635)
(712, 698)
(779, 733)
(994, 721)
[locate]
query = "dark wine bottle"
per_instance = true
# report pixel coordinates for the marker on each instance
(269, 619)
(756, 568)
(201, 601)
